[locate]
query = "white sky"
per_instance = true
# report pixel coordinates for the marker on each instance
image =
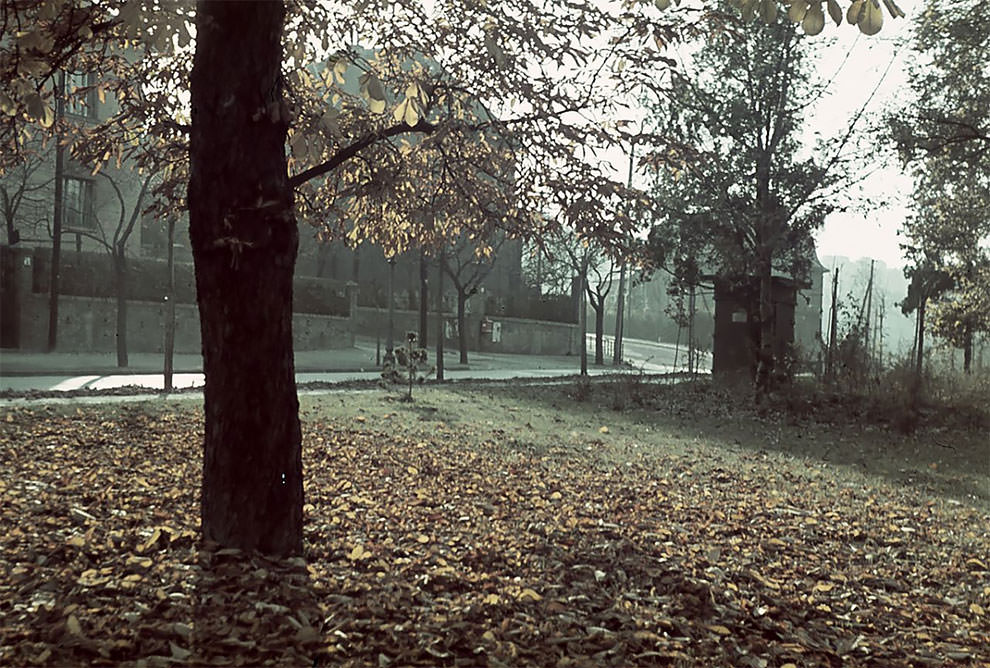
(871, 232)
(878, 206)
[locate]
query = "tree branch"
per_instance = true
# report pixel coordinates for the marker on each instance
(348, 152)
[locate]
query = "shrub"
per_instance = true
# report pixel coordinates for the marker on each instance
(406, 365)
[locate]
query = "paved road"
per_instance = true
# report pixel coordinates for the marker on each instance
(651, 356)
(647, 356)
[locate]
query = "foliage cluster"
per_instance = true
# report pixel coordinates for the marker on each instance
(945, 137)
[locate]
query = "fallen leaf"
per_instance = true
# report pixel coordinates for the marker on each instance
(529, 595)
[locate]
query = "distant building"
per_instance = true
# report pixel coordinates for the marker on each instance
(797, 336)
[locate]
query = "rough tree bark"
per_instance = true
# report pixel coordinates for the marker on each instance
(599, 307)
(244, 241)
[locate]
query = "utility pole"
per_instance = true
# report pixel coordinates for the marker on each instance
(869, 315)
(692, 357)
(583, 313)
(621, 302)
(56, 216)
(389, 341)
(440, 325)
(832, 324)
(424, 293)
(880, 313)
(170, 309)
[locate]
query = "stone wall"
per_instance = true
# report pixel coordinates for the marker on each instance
(89, 325)
(516, 335)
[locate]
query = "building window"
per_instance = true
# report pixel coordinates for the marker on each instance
(154, 236)
(77, 204)
(80, 94)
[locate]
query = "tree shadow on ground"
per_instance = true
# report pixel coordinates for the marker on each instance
(944, 461)
(250, 610)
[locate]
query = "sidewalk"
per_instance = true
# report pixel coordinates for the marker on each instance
(360, 358)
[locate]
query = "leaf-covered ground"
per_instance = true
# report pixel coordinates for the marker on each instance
(474, 528)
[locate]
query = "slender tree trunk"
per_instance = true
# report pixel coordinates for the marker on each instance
(599, 307)
(390, 338)
(462, 339)
(120, 286)
(919, 362)
(583, 315)
(424, 296)
(620, 317)
(53, 287)
(244, 242)
(169, 347)
(440, 323)
(833, 323)
(968, 350)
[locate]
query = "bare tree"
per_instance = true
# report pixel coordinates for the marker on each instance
(115, 243)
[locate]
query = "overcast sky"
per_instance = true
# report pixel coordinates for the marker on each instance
(873, 233)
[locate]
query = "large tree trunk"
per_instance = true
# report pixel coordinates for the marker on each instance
(120, 287)
(599, 307)
(461, 324)
(244, 241)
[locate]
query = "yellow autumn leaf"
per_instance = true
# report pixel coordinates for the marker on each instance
(976, 609)
(529, 595)
(719, 629)
(339, 68)
(357, 553)
(412, 470)
(814, 20)
(422, 538)
(854, 11)
(411, 116)
(400, 111)
(73, 626)
(871, 19)
(603, 429)
(8, 107)
(38, 110)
